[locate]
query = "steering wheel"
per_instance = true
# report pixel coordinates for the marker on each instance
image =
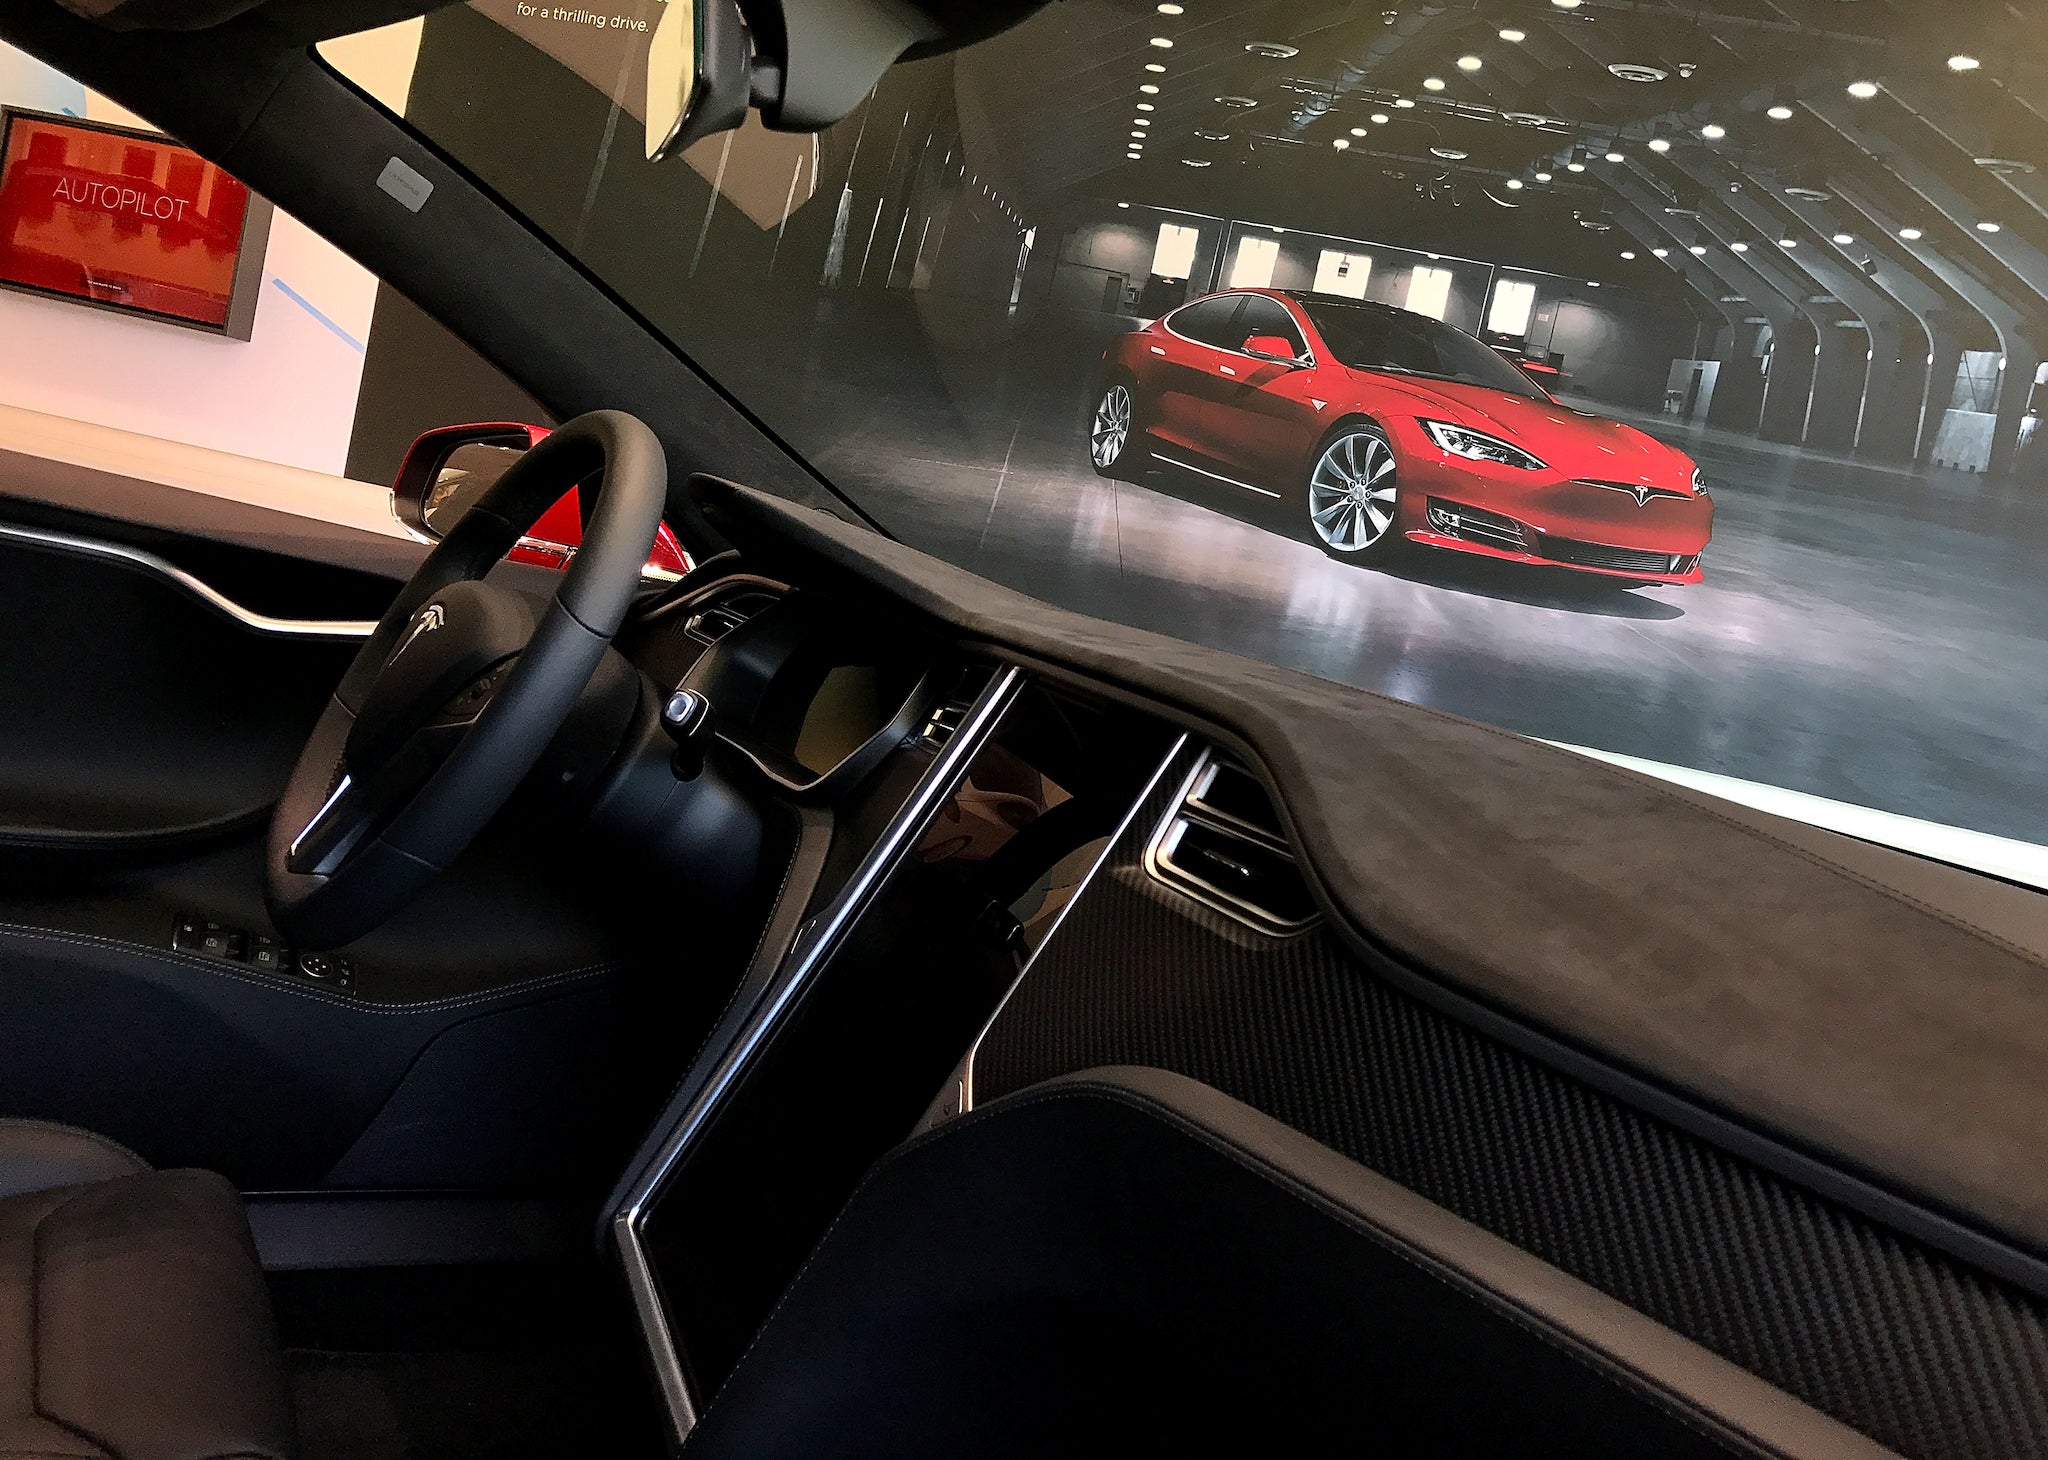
(459, 691)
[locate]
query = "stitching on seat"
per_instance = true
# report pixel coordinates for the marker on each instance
(589, 971)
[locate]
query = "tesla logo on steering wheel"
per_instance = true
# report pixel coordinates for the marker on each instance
(432, 617)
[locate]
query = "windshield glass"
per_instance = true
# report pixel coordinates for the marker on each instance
(1385, 339)
(1802, 255)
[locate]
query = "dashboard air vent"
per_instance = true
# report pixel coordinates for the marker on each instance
(1224, 846)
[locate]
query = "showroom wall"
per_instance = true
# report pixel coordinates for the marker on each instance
(285, 395)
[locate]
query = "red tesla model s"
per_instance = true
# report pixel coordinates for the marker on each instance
(1382, 425)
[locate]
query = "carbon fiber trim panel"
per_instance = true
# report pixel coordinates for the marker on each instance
(1904, 1343)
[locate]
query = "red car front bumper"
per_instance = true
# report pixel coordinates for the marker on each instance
(1543, 519)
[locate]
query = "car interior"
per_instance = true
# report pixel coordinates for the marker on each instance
(748, 987)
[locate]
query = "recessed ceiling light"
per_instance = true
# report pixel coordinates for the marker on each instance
(1469, 63)
(1713, 131)
(1134, 156)
(1273, 50)
(1146, 106)
(1380, 119)
(1567, 4)
(1139, 135)
(1513, 37)
(1194, 162)
(1162, 42)
(1909, 233)
(1739, 247)
(1543, 177)
(1662, 253)
(1148, 89)
(1592, 283)
(1405, 103)
(1358, 131)
(1341, 143)
(1123, 205)
(1141, 121)
(1987, 227)
(1698, 249)
(1155, 68)
(1845, 238)
(1780, 113)
(1615, 157)
(1963, 63)
(1170, 10)
(1660, 144)
(1514, 185)
(1788, 243)
(1433, 83)
(1863, 90)
(1628, 254)
(1575, 167)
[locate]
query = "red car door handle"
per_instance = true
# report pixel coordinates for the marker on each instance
(1227, 370)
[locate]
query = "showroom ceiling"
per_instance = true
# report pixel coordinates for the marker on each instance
(1634, 123)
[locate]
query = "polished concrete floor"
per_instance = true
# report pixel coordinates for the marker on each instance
(1870, 634)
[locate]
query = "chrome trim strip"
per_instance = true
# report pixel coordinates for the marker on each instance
(1215, 476)
(966, 1072)
(815, 943)
(1159, 864)
(213, 598)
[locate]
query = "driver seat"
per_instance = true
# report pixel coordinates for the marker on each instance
(134, 1323)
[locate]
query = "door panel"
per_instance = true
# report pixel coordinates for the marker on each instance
(143, 719)
(1266, 415)
(1188, 376)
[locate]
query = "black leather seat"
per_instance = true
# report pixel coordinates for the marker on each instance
(134, 1324)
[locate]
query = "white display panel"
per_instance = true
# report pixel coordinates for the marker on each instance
(1253, 267)
(1343, 274)
(1514, 304)
(1174, 255)
(1429, 292)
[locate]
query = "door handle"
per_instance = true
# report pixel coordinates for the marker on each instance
(1227, 369)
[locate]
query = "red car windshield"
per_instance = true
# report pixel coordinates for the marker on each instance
(1369, 338)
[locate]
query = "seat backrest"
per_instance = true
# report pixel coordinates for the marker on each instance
(1128, 1261)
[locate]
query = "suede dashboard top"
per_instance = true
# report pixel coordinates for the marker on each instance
(1796, 994)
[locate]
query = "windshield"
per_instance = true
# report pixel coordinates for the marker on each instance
(1382, 339)
(1800, 257)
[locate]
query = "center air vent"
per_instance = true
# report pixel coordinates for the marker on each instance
(716, 619)
(1224, 847)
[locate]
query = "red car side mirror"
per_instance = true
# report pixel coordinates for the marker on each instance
(446, 470)
(1271, 347)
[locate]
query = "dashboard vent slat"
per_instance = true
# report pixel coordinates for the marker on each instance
(1225, 847)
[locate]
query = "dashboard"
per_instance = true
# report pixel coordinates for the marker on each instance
(996, 869)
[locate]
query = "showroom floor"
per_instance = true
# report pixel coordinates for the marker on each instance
(1866, 633)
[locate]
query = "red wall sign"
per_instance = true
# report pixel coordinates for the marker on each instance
(126, 220)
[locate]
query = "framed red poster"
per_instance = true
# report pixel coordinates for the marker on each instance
(127, 220)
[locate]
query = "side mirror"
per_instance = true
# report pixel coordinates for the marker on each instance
(448, 469)
(1272, 347)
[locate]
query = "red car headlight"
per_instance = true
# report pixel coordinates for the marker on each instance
(1478, 446)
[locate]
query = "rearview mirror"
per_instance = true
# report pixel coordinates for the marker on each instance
(1271, 347)
(698, 80)
(447, 470)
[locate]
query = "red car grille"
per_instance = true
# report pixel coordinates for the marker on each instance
(1454, 519)
(1615, 559)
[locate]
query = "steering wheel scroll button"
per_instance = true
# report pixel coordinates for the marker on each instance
(690, 722)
